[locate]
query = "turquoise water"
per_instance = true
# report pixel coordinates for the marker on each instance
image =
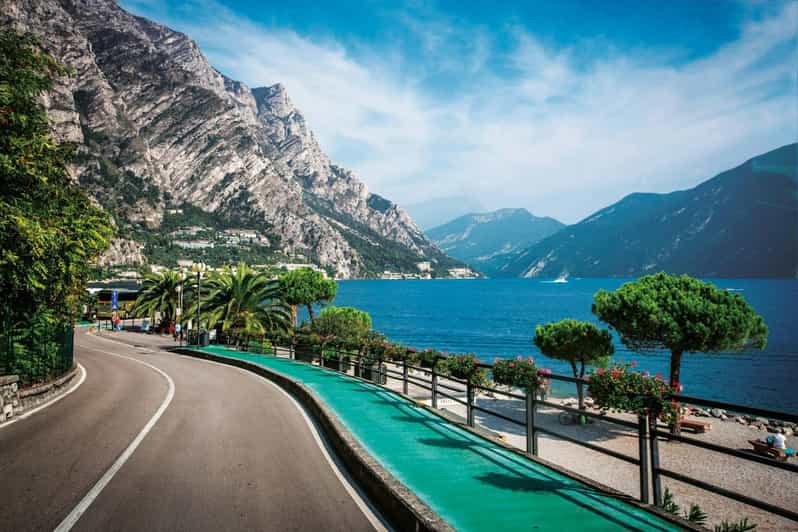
(497, 318)
(470, 482)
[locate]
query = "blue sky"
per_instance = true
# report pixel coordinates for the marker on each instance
(559, 107)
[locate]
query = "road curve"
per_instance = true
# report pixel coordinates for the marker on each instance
(230, 452)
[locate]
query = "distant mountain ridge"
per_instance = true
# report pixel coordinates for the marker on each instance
(741, 223)
(485, 240)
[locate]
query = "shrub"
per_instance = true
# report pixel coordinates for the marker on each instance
(521, 373)
(621, 388)
(743, 525)
(348, 325)
(466, 367)
(429, 357)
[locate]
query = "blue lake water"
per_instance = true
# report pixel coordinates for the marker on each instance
(497, 318)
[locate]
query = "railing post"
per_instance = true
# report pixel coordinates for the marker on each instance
(404, 376)
(642, 446)
(531, 433)
(434, 385)
(469, 404)
(655, 480)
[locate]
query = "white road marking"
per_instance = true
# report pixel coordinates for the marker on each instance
(372, 514)
(73, 517)
(51, 401)
(360, 499)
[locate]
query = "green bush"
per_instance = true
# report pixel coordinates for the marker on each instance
(344, 326)
(466, 367)
(260, 346)
(429, 357)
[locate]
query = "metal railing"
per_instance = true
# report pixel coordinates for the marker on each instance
(38, 357)
(646, 429)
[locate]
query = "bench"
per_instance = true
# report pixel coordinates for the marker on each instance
(695, 425)
(764, 449)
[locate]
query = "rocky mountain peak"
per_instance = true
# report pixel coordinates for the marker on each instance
(161, 132)
(273, 100)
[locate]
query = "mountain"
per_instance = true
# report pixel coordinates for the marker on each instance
(167, 144)
(486, 241)
(741, 223)
(436, 211)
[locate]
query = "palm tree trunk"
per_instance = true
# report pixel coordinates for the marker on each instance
(310, 312)
(676, 367)
(293, 315)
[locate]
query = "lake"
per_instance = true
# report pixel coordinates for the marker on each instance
(497, 318)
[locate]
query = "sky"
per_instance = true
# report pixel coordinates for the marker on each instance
(558, 107)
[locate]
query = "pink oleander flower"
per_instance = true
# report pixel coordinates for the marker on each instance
(600, 371)
(633, 364)
(546, 371)
(658, 376)
(646, 374)
(511, 364)
(519, 358)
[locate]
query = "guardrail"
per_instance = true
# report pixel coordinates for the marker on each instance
(648, 433)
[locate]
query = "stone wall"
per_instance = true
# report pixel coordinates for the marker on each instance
(9, 397)
(15, 401)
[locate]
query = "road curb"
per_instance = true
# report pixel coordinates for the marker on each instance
(400, 506)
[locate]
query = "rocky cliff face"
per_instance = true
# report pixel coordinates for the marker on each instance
(158, 126)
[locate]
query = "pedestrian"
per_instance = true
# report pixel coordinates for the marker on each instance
(117, 322)
(178, 328)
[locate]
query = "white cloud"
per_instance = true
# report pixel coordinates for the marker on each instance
(531, 127)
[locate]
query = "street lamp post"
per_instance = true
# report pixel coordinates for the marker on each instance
(198, 268)
(180, 309)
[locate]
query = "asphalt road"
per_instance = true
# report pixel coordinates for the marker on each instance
(229, 452)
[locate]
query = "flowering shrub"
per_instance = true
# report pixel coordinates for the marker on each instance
(632, 391)
(521, 373)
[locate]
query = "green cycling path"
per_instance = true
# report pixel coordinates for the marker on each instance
(470, 482)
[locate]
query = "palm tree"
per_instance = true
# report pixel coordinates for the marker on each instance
(160, 293)
(245, 303)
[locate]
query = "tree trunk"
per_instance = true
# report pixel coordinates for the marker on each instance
(676, 366)
(581, 386)
(579, 393)
(310, 312)
(293, 315)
